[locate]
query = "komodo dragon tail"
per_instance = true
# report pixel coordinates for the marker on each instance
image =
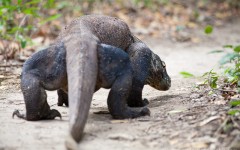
(82, 72)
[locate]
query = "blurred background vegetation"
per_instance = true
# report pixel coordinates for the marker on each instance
(26, 25)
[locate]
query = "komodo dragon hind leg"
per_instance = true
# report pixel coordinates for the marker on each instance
(35, 98)
(82, 72)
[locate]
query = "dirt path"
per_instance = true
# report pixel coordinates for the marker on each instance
(178, 117)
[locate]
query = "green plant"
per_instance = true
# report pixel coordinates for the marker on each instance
(234, 104)
(150, 3)
(211, 79)
(19, 19)
(230, 62)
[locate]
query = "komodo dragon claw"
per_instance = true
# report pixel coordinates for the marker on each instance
(145, 101)
(54, 113)
(18, 114)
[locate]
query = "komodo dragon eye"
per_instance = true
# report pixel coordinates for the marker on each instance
(164, 65)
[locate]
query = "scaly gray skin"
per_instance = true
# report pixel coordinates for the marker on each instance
(87, 69)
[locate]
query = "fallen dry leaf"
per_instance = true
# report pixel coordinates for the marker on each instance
(121, 137)
(119, 121)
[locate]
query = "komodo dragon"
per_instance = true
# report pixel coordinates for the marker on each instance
(88, 66)
(147, 69)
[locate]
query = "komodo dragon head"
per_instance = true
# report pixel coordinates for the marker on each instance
(149, 65)
(158, 77)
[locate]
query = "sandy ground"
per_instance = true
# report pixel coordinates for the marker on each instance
(177, 116)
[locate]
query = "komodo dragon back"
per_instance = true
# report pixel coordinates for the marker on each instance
(108, 30)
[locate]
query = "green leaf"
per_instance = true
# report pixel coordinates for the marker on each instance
(23, 43)
(208, 29)
(19, 2)
(213, 82)
(54, 17)
(237, 49)
(49, 4)
(233, 112)
(31, 11)
(216, 51)
(15, 29)
(234, 79)
(227, 46)
(186, 74)
(228, 57)
(235, 103)
(32, 2)
(207, 73)
(210, 92)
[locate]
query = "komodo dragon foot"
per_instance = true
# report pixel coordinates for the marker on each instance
(62, 98)
(133, 113)
(145, 102)
(50, 116)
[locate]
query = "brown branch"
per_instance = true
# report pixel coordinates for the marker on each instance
(222, 125)
(235, 123)
(222, 90)
(11, 65)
